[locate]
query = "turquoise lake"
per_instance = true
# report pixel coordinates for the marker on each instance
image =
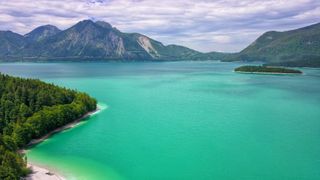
(184, 120)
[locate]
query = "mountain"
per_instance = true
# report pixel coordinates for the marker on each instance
(87, 40)
(300, 47)
(42, 33)
(10, 43)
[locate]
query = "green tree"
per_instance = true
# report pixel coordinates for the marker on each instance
(30, 109)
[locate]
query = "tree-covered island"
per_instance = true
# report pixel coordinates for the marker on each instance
(266, 69)
(29, 109)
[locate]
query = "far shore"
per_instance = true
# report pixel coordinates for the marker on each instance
(268, 73)
(42, 173)
(266, 70)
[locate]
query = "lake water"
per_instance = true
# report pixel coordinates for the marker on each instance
(184, 120)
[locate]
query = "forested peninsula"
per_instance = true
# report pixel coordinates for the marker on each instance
(29, 109)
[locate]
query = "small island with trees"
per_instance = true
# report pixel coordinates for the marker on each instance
(30, 109)
(266, 70)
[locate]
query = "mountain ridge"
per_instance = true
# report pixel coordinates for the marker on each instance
(88, 40)
(298, 47)
(42, 32)
(100, 41)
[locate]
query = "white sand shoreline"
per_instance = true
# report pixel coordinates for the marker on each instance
(40, 172)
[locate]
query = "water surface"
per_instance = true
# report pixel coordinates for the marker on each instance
(184, 120)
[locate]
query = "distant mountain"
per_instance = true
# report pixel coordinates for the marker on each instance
(300, 47)
(42, 33)
(10, 43)
(87, 40)
(211, 56)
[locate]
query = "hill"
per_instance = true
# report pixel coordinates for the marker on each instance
(300, 47)
(41, 33)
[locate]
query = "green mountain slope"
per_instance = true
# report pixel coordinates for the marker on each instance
(41, 33)
(289, 47)
(10, 43)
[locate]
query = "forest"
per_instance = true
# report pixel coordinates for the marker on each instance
(29, 109)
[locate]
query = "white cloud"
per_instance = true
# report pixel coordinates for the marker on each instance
(222, 39)
(224, 25)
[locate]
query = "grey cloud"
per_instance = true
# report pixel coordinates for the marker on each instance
(206, 25)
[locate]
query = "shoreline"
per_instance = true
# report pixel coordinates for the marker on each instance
(62, 128)
(40, 172)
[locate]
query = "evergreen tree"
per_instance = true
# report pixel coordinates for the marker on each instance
(30, 109)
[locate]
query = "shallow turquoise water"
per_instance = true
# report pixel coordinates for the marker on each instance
(184, 120)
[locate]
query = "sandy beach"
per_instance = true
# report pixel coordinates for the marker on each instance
(41, 173)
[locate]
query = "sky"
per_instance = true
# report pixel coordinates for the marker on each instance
(203, 25)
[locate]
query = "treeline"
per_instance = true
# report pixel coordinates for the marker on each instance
(265, 69)
(30, 109)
